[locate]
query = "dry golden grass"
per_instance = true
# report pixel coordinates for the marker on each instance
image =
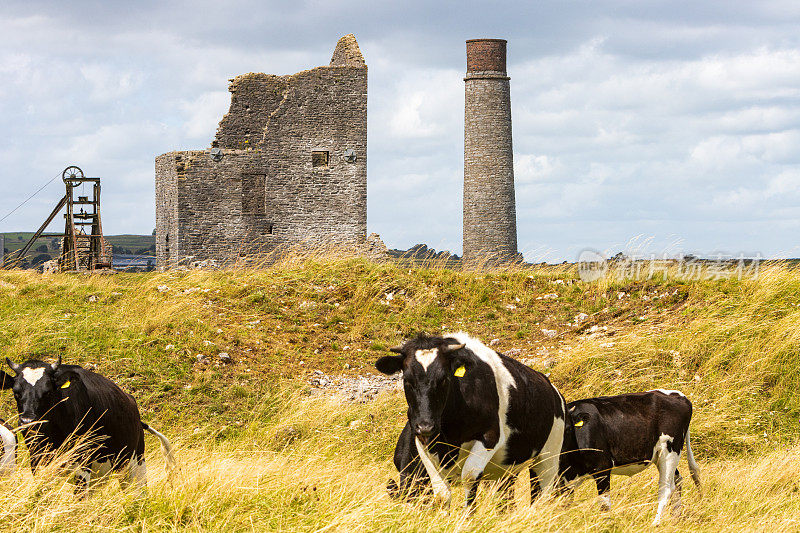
(330, 482)
(257, 453)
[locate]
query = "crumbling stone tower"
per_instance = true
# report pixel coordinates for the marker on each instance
(288, 166)
(490, 219)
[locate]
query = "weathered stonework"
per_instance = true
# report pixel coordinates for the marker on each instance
(257, 187)
(490, 220)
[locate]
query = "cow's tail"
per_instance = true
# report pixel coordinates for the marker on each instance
(166, 447)
(693, 468)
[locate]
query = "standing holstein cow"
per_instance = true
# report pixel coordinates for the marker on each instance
(474, 411)
(60, 404)
(624, 435)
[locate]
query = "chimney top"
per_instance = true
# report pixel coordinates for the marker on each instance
(486, 55)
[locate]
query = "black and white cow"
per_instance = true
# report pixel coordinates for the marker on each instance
(60, 404)
(8, 462)
(624, 435)
(475, 412)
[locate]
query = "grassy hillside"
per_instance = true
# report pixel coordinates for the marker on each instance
(258, 452)
(49, 245)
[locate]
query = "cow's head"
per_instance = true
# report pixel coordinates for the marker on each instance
(36, 388)
(429, 365)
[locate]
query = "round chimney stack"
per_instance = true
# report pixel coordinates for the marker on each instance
(486, 55)
(490, 217)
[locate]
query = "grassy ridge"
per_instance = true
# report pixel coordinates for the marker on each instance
(14, 241)
(258, 453)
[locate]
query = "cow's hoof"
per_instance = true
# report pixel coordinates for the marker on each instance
(393, 489)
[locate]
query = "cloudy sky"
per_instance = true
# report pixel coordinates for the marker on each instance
(641, 125)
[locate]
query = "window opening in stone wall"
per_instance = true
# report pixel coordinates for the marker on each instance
(320, 158)
(253, 191)
(268, 229)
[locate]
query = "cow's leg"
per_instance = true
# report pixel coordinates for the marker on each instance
(471, 472)
(603, 482)
(506, 491)
(472, 491)
(441, 488)
(667, 463)
(547, 462)
(546, 469)
(88, 477)
(413, 480)
(135, 475)
(82, 480)
(536, 489)
(677, 493)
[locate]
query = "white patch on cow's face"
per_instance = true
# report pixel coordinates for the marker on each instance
(32, 375)
(668, 392)
(426, 357)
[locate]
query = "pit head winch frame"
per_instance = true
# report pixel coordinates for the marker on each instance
(80, 250)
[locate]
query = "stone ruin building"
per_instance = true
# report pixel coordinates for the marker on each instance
(490, 218)
(288, 166)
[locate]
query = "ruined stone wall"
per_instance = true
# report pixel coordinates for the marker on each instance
(253, 99)
(490, 221)
(219, 208)
(264, 188)
(167, 239)
(325, 110)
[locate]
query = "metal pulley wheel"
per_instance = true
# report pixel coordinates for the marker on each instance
(72, 173)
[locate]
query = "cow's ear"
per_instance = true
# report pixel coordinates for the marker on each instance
(6, 380)
(67, 381)
(390, 364)
(12, 365)
(451, 348)
(460, 364)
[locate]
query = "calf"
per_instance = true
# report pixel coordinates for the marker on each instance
(475, 412)
(624, 435)
(58, 404)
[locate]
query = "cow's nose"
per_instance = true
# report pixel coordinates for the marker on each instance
(424, 429)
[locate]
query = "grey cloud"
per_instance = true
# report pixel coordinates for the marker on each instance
(673, 119)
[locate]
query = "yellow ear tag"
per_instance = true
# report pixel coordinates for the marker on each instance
(578, 423)
(65, 385)
(460, 371)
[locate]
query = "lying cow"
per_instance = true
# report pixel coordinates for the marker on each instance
(59, 404)
(473, 411)
(624, 435)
